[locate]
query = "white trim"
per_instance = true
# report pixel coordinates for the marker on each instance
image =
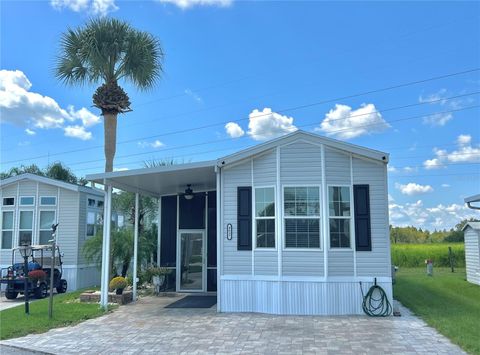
(319, 217)
(352, 279)
(219, 233)
(48, 181)
(353, 241)
(253, 218)
(278, 214)
(177, 251)
(324, 212)
(179, 261)
(309, 137)
(335, 249)
(135, 246)
(58, 235)
(254, 226)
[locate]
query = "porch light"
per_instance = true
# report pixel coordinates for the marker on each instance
(188, 192)
(25, 250)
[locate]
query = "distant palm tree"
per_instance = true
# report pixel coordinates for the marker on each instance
(108, 50)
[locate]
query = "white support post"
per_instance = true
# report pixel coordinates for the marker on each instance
(135, 246)
(107, 216)
(219, 237)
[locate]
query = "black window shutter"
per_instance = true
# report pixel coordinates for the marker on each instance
(244, 218)
(363, 236)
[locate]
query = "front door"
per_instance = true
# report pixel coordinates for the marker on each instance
(191, 271)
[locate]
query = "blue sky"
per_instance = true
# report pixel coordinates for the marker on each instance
(265, 68)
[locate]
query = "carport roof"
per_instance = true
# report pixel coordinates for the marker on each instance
(161, 180)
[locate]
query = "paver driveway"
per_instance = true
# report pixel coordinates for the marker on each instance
(147, 327)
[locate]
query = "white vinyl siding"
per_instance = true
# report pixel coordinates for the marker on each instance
(235, 262)
(472, 254)
(377, 261)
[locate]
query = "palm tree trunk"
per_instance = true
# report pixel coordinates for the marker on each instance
(110, 139)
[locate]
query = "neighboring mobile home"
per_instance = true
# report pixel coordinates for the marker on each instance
(290, 226)
(472, 251)
(30, 204)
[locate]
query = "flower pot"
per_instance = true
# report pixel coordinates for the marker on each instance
(119, 291)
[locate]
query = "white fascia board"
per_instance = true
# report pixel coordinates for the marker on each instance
(309, 137)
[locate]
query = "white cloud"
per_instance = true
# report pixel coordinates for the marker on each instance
(445, 185)
(345, 123)
(186, 4)
(438, 119)
(420, 216)
(77, 132)
(409, 169)
(465, 153)
(438, 96)
(193, 95)
(30, 132)
(266, 124)
(392, 169)
(412, 188)
(154, 144)
(95, 7)
(24, 108)
(120, 169)
(234, 130)
(464, 139)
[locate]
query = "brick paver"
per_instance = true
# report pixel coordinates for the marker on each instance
(147, 327)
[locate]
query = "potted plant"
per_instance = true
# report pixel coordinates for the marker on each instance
(117, 284)
(159, 275)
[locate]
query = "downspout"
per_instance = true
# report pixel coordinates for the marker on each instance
(106, 245)
(469, 204)
(219, 236)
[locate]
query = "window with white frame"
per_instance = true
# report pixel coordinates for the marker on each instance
(339, 216)
(48, 201)
(301, 209)
(7, 230)
(25, 228)
(265, 217)
(94, 223)
(8, 201)
(27, 201)
(47, 218)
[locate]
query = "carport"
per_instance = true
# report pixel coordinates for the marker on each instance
(158, 182)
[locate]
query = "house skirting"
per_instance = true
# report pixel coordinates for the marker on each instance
(81, 276)
(306, 297)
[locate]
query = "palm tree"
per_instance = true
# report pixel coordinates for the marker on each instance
(107, 50)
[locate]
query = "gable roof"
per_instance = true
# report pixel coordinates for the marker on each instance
(307, 136)
(50, 181)
(473, 225)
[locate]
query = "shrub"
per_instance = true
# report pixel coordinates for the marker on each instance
(117, 283)
(154, 271)
(414, 255)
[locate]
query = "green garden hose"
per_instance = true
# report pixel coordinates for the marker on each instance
(376, 306)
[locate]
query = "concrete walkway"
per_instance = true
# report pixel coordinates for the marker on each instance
(147, 327)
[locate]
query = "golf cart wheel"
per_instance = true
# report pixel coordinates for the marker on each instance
(41, 291)
(62, 286)
(11, 295)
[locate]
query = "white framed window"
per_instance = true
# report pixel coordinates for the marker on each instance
(48, 201)
(8, 201)
(27, 201)
(7, 230)
(339, 207)
(301, 211)
(264, 217)
(94, 223)
(47, 218)
(25, 228)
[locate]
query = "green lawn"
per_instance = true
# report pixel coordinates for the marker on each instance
(67, 310)
(445, 301)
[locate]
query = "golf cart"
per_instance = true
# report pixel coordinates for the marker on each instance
(38, 276)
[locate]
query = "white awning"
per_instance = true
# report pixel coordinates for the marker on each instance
(161, 180)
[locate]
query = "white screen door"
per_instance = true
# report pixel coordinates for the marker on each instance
(190, 273)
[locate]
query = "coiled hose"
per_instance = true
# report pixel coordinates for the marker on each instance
(376, 306)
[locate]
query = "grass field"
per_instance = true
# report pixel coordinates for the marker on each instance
(414, 255)
(445, 301)
(67, 310)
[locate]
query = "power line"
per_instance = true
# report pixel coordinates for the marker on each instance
(224, 122)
